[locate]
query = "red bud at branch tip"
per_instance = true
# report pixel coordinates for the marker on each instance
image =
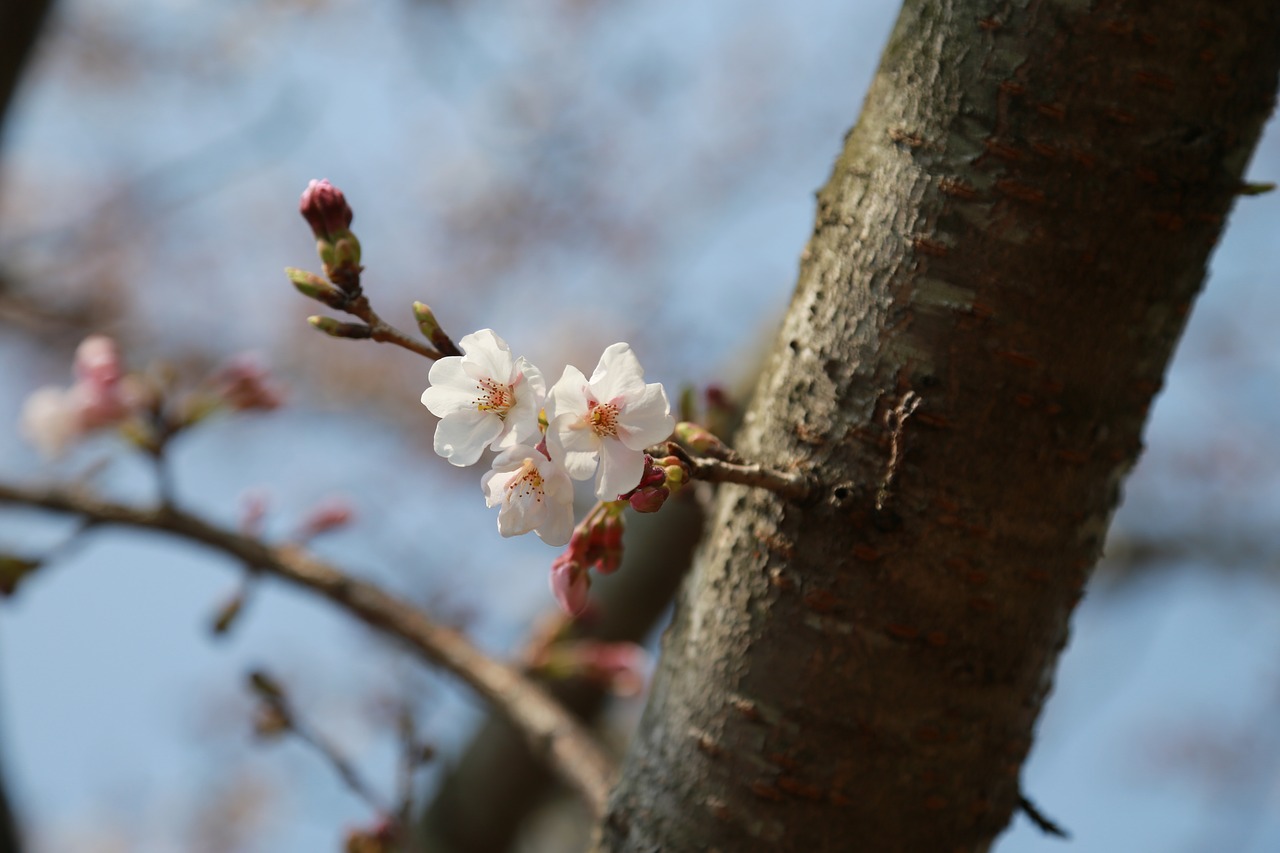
(326, 210)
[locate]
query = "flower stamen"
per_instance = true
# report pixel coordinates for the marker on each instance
(525, 484)
(495, 396)
(603, 418)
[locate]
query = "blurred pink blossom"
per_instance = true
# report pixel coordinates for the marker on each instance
(246, 385)
(53, 418)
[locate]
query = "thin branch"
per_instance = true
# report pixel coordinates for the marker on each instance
(1043, 823)
(551, 732)
(788, 484)
(384, 332)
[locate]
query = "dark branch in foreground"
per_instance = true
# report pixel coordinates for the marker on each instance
(551, 732)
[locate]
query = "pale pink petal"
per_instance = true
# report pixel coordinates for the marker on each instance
(618, 374)
(462, 436)
(647, 418)
(577, 449)
(489, 354)
(558, 526)
(568, 395)
(620, 470)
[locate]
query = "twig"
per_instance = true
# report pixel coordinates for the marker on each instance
(1043, 823)
(551, 732)
(344, 768)
(790, 485)
(384, 332)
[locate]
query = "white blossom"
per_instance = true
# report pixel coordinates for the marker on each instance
(485, 398)
(531, 492)
(602, 425)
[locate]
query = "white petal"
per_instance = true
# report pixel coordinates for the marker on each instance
(488, 356)
(537, 382)
(618, 374)
(575, 448)
(620, 470)
(647, 418)
(462, 436)
(451, 389)
(522, 418)
(557, 530)
(568, 395)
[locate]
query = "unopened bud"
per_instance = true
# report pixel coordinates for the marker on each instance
(570, 584)
(346, 252)
(326, 210)
(314, 287)
(430, 328)
(325, 517)
(336, 329)
(700, 439)
(227, 614)
(649, 499)
(266, 686)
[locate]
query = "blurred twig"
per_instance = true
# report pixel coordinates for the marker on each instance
(548, 728)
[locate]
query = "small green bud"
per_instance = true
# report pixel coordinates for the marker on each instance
(227, 614)
(430, 328)
(698, 438)
(314, 287)
(265, 686)
(336, 329)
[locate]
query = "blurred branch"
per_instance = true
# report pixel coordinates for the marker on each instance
(496, 782)
(23, 20)
(278, 716)
(548, 729)
(10, 840)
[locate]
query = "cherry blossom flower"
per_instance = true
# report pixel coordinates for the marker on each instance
(54, 418)
(531, 492)
(486, 397)
(609, 419)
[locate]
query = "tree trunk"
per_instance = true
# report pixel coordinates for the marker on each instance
(1003, 259)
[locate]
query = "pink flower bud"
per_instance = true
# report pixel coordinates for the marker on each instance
(570, 584)
(324, 517)
(245, 385)
(97, 361)
(253, 510)
(326, 210)
(649, 499)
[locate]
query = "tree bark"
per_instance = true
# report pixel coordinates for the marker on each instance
(1003, 259)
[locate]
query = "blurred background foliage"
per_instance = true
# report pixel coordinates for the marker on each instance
(569, 173)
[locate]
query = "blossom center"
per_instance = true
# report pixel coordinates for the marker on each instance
(497, 397)
(603, 418)
(525, 483)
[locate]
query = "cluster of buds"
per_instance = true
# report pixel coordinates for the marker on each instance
(327, 212)
(662, 478)
(142, 406)
(596, 543)
(244, 385)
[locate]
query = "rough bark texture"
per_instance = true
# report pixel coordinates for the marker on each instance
(1003, 259)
